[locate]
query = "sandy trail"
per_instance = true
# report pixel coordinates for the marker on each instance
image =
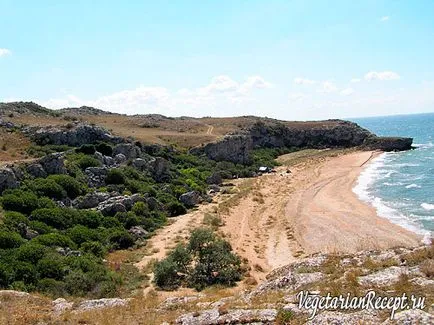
(279, 217)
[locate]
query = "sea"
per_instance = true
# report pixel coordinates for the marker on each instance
(400, 185)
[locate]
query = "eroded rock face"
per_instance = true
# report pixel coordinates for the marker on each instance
(96, 176)
(90, 200)
(53, 163)
(319, 135)
(75, 136)
(129, 150)
(138, 232)
(234, 316)
(7, 179)
(190, 199)
(120, 203)
(159, 168)
(36, 170)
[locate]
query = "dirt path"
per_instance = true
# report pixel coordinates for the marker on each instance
(210, 129)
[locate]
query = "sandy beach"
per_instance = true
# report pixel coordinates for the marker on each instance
(276, 218)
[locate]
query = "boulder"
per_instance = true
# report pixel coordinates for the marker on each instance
(120, 158)
(54, 164)
(159, 169)
(121, 203)
(129, 150)
(214, 179)
(7, 179)
(233, 316)
(90, 200)
(140, 163)
(410, 317)
(36, 170)
(190, 199)
(138, 232)
(61, 305)
(101, 303)
(96, 176)
(71, 135)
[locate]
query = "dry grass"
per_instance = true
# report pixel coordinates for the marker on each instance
(13, 146)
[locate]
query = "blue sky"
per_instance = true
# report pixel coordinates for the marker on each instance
(306, 59)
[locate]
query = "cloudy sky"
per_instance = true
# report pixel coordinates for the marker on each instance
(295, 60)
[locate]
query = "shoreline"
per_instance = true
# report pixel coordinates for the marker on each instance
(330, 217)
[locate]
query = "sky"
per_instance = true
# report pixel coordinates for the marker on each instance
(292, 60)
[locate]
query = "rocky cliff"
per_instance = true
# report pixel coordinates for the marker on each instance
(315, 135)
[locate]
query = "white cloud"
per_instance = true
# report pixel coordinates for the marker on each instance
(295, 97)
(221, 90)
(347, 92)
(384, 18)
(355, 80)
(4, 52)
(328, 87)
(384, 75)
(304, 81)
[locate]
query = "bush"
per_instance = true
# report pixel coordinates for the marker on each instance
(31, 252)
(93, 247)
(206, 260)
(51, 287)
(40, 227)
(54, 240)
(12, 219)
(140, 209)
(72, 187)
(89, 218)
(104, 148)
(87, 149)
(80, 234)
(176, 208)
(120, 238)
(58, 218)
(51, 267)
(83, 161)
(46, 187)
(10, 239)
(128, 219)
(115, 176)
(24, 201)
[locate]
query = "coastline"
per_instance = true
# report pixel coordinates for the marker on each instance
(329, 217)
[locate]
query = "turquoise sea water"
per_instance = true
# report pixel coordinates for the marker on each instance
(401, 185)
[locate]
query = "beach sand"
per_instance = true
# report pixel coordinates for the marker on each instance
(279, 217)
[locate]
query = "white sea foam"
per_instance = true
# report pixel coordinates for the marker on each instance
(423, 145)
(413, 186)
(427, 206)
(369, 175)
(393, 184)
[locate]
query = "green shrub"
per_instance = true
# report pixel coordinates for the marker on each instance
(166, 274)
(72, 187)
(51, 267)
(9, 239)
(89, 218)
(46, 187)
(25, 272)
(115, 176)
(51, 287)
(57, 217)
(87, 149)
(31, 252)
(54, 240)
(12, 219)
(176, 208)
(24, 201)
(120, 238)
(41, 227)
(93, 247)
(80, 234)
(206, 260)
(140, 209)
(128, 219)
(104, 148)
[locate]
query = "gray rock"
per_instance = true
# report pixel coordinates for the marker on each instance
(190, 199)
(138, 232)
(160, 169)
(129, 150)
(7, 179)
(116, 204)
(153, 203)
(61, 305)
(388, 276)
(120, 158)
(54, 164)
(101, 303)
(98, 155)
(140, 163)
(215, 179)
(96, 176)
(36, 170)
(72, 136)
(233, 316)
(410, 317)
(215, 188)
(368, 317)
(90, 200)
